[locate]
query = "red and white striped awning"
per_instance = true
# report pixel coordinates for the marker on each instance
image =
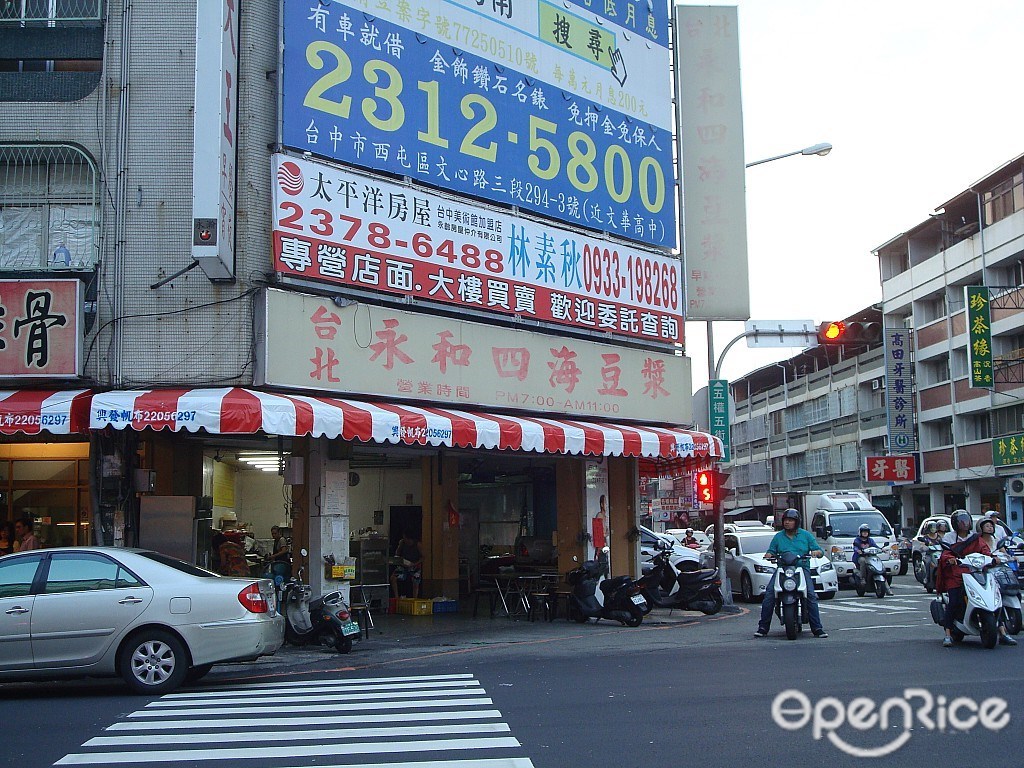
(32, 411)
(245, 411)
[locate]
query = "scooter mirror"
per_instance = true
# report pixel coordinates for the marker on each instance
(575, 559)
(303, 552)
(605, 550)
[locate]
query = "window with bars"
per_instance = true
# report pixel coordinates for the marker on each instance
(49, 208)
(50, 11)
(817, 462)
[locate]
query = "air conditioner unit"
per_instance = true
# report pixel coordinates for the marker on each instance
(1015, 487)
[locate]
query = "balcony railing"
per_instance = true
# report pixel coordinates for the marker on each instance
(49, 12)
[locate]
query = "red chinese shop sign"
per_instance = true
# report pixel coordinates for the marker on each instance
(891, 469)
(307, 342)
(344, 228)
(39, 328)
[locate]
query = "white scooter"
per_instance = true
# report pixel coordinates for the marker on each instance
(1009, 588)
(790, 593)
(870, 562)
(983, 602)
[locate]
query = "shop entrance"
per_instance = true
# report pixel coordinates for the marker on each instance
(49, 484)
(509, 517)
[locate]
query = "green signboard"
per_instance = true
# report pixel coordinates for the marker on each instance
(1007, 450)
(718, 413)
(979, 336)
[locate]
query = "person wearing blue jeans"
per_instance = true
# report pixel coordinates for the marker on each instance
(792, 538)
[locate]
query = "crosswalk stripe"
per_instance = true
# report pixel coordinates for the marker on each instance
(283, 722)
(275, 698)
(292, 750)
(339, 683)
(326, 735)
(339, 706)
(848, 608)
(319, 687)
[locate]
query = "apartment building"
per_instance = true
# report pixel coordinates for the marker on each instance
(807, 424)
(974, 239)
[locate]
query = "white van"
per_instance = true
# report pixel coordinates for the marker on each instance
(836, 520)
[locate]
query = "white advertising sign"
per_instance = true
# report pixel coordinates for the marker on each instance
(714, 182)
(308, 342)
(341, 227)
(215, 145)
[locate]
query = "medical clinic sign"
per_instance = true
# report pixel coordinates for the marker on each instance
(40, 332)
(340, 227)
(308, 342)
(890, 469)
(559, 108)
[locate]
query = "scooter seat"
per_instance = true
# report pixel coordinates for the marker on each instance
(316, 605)
(690, 577)
(611, 585)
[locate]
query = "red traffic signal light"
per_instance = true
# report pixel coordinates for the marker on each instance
(706, 487)
(856, 333)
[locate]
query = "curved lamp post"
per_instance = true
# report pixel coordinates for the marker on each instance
(818, 149)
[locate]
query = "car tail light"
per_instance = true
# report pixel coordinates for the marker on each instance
(343, 615)
(253, 600)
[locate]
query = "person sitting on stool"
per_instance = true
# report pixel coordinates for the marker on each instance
(411, 567)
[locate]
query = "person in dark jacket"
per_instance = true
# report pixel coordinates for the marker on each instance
(862, 542)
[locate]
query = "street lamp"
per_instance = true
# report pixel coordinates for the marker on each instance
(821, 150)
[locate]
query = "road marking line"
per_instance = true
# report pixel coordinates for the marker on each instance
(292, 750)
(243, 722)
(323, 688)
(880, 626)
(277, 698)
(844, 608)
(339, 683)
(341, 707)
(326, 735)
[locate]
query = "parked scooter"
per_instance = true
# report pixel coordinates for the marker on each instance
(871, 562)
(1009, 587)
(690, 590)
(325, 620)
(982, 602)
(594, 596)
(790, 594)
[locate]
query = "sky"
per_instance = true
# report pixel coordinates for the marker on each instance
(919, 98)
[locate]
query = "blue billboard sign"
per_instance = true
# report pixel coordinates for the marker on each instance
(371, 92)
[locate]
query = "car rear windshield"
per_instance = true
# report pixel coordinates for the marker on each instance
(178, 565)
(849, 523)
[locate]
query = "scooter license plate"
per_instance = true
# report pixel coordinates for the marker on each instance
(638, 600)
(350, 628)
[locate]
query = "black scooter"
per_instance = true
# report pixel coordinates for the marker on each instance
(689, 590)
(595, 597)
(325, 620)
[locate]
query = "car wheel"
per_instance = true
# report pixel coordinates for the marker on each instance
(198, 672)
(827, 595)
(153, 662)
(746, 589)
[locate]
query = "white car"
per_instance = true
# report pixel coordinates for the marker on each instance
(738, 526)
(749, 573)
(679, 534)
(649, 547)
(151, 619)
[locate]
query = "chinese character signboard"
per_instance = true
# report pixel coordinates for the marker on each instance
(215, 120)
(711, 141)
(540, 105)
(979, 336)
(40, 332)
(1008, 450)
(350, 229)
(890, 469)
(718, 414)
(899, 390)
(310, 343)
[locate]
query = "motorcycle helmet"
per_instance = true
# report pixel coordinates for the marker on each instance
(960, 516)
(982, 522)
(932, 528)
(864, 528)
(791, 514)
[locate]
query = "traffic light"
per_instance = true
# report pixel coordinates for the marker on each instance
(836, 333)
(704, 484)
(723, 491)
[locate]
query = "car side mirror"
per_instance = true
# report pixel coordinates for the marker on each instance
(819, 531)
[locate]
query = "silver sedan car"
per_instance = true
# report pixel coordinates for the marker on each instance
(151, 619)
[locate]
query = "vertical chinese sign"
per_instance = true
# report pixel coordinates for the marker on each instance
(718, 414)
(39, 328)
(711, 149)
(215, 131)
(899, 390)
(979, 336)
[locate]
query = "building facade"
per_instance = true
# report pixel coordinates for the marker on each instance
(182, 307)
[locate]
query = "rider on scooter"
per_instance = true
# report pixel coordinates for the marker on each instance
(950, 577)
(862, 542)
(792, 538)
